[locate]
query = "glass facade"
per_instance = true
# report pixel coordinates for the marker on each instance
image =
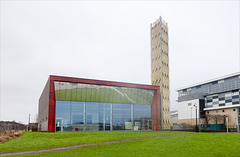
(223, 99)
(87, 107)
(219, 86)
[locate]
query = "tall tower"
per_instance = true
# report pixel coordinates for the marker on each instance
(160, 67)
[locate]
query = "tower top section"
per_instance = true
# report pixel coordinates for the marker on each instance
(158, 22)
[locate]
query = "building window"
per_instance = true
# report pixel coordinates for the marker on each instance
(189, 104)
(216, 111)
(234, 110)
(222, 110)
(220, 81)
(207, 112)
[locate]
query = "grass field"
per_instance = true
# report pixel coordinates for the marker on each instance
(175, 144)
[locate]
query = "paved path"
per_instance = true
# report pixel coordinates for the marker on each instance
(78, 146)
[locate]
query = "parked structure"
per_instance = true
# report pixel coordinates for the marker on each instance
(212, 100)
(75, 104)
(34, 126)
(160, 67)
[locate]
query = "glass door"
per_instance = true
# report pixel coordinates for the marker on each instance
(149, 124)
(59, 127)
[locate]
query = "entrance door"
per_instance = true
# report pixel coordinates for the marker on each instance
(59, 127)
(149, 124)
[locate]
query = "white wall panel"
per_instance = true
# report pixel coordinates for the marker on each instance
(186, 111)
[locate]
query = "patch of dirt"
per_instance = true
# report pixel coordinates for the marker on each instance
(11, 135)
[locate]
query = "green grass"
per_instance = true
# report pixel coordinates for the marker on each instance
(196, 144)
(38, 141)
(178, 144)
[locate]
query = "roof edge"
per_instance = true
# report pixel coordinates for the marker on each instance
(204, 82)
(101, 82)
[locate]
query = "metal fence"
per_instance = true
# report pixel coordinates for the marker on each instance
(204, 128)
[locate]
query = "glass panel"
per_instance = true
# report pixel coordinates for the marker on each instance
(97, 93)
(68, 90)
(113, 96)
(70, 107)
(80, 92)
(61, 92)
(92, 116)
(77, 127)
(74, 91)
(63, 109)
(56, 87)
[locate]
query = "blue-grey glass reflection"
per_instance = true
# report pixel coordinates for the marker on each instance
(94, 116)
(142, 117)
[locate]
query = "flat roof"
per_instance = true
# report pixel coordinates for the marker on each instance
(212, 80)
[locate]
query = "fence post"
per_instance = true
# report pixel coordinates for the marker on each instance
(227, 123)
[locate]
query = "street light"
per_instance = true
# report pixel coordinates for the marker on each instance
(195, 105)
(191, 114)
(29, 123)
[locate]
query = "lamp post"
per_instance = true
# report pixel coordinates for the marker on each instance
(195, 105)
(191, 114)
(29, 123)
(227, 123)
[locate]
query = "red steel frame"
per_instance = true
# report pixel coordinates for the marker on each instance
(52, 102)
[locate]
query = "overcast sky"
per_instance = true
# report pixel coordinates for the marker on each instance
(110, 41)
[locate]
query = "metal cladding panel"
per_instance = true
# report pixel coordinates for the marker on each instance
(156, 111)
(52, 105)
(43, 107)
(52, 99)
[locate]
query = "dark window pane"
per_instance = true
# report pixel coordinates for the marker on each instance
(107, 127)
(209, 100)
(236, 102)
(235, 96)
(229, 100)
(215, 97)
(220, 99)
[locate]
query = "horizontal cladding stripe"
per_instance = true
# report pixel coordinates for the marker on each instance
(221, 107)
(205, 82)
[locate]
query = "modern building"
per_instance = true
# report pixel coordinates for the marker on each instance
(76, 104)
(160, 67)
(218, 96)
